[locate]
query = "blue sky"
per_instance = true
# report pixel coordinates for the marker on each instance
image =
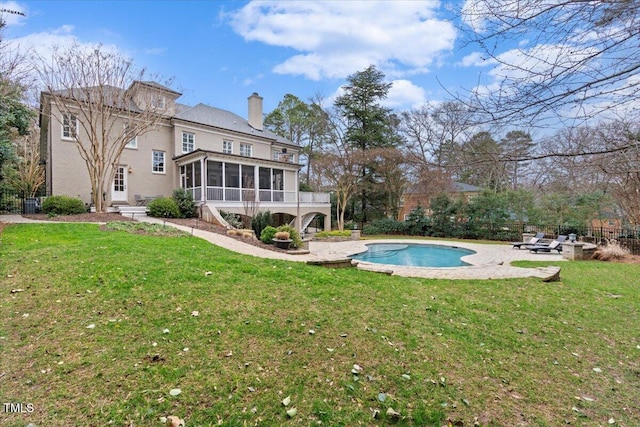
(219, 52)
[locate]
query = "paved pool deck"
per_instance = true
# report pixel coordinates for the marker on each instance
(491, 261)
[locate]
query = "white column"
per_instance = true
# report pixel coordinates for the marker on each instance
(203, 180)
(298, 219)
(256, 187)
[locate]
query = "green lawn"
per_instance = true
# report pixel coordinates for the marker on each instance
(97, 327)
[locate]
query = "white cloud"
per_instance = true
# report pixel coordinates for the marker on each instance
(477, 59)
(335, 39)
(156, 51)
(404, 93)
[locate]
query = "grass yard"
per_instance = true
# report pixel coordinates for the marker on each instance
(106, 327)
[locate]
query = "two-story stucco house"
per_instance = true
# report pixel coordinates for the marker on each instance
(228, 163)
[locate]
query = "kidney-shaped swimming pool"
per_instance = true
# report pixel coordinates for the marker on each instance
(414, 255)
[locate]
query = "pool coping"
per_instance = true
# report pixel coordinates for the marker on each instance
(491, 261)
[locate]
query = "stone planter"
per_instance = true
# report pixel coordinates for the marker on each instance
(282, 244)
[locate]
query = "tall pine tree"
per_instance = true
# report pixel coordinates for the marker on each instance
(369, 126)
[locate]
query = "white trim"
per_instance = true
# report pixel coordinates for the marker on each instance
(62, 126)
(158, 101)
(224, 141)
(129, 144)
(246, 146)
(190, 136)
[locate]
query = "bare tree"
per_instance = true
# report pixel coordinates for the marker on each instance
(250, 204)
(577, 59)
(623, 168)
(341, 174)
(108, 99)
(390, 168)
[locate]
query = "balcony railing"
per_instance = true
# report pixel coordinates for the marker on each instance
(222, 194)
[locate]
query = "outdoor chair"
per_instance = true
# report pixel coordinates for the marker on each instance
(534, 240)
(555, 245)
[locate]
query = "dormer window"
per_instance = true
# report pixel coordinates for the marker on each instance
(157, 101)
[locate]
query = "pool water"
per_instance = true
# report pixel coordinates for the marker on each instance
(414, 255)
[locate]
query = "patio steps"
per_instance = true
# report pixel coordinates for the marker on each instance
(132, 211)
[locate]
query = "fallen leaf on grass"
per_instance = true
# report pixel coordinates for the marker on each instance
(91, 326)
(175, 421)
(292, 412)
(175, 391)
(392, 413)
(286, 401)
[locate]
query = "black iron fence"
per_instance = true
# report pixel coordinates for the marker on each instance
(16, 203)
(626, 237)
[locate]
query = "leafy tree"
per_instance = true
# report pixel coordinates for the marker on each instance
(301, 123)
(369, 125)
(482, 166)
(15, 118)
(444, 211)
(26, 174)
(516, 146)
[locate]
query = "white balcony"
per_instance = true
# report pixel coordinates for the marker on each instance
(221, 194)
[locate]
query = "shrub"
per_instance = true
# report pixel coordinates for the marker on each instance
(260, 221)
(164, 207)
(184, 200)
(232, 219)
(267, 235)
(385, 226)
(610, 252)
(333, 233)
(63, 205)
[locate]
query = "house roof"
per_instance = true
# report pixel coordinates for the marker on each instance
(461, 187)
(156, 85)
(113, 96)
(200, 113)
(212, 116)
(455, 187)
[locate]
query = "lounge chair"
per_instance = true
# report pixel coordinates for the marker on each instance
(533, 241)
(139, 200)
(555, 245)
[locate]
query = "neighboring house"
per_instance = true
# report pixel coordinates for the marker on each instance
(228, 163)
(606, 219)
(418, 196)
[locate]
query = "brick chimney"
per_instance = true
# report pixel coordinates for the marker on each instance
(255, 111)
